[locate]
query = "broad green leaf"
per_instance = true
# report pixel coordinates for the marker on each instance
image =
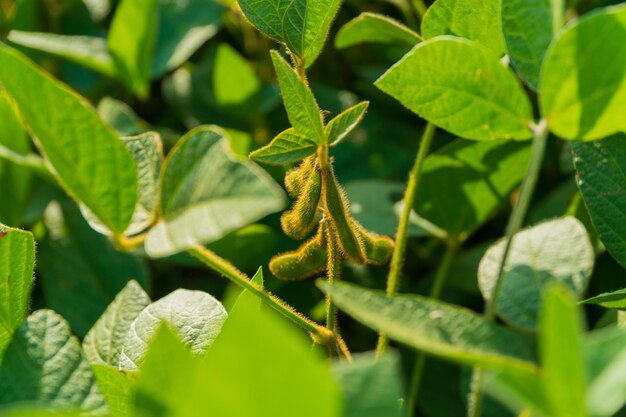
(259, 356)
(131, 42)
(371, 386)
(302, 25)
(555, 251)
(44, 364)
(614, 299)
(105, 340)
(477, 178)
(235, 82)
(87, 156)
(195, 316)
(80, 270)
(462, 87)
(529, 27)
(344, 123)
(304, 113)
(88, 51)
(583, 87)
(560, 346)
(373, 27)
(286, 148)
(117, 388)
(476, 20)
(206, 192)
(15, 181)
(17, 261)
(435, 327)
(121, 117)
(601, 171)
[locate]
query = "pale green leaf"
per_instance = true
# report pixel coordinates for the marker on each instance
(601, 174)
(476, 20)
(304, 113)
(206, 192)
(437, 328)
(195, 316)
(44, 364)
(234, 80)
(583, 87)
(373, 27)
(87, 156)
(117, 388)
(613, 299)
(121, 117)
(460, 86)
(529, 27)
(17, 261)
(344, 123)
(286, 148)
(555, 251)
(132, 37)
(105, 340)
(520, 391)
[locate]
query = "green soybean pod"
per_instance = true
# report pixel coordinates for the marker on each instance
(296, 177)
(306, 261)
(378, 248)
(300, 220)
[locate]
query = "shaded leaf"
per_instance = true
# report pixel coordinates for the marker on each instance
(286, 148)
(344, 123)
(614, 299)
(377, 28)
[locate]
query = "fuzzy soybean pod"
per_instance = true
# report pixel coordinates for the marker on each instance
(295, 179)
(378, 248)
(308, 260)
(300, 220)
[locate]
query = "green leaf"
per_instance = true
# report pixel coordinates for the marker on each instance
(80, 270)
(17, 262)
(476, 20)
(371, 386)
(304, 113)
(560, 346)
(302, 25)
(601, 171)
(373, 27)
(104, 342)
(132, 37)
(555, 251)
(121, 117)
(195, 316)
(435, 327)
(613, 299)
(462, 87)
(87, 156)
(206, 193)
(117, 388)
(44, 364)
(520, 391)
(235, 82)
(88, 51)
(477, 178)
(344, 123)
(15, 181)
(286, 148)
(529, 27)
(582, 88)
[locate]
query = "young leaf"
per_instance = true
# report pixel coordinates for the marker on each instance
(195, 316)
(461, 87)
(600, 169)
(302, 25)
(554, 251)
(435, 327)
(105, 340)
(206, 192)
(303, 111)
(614, 299)
(582, 89)
(562, 368)
(117, 388)
(344, 123)
(529, 27)
(87, 156)
(132, 37)
(286, 148)
(476, 20)
(17, 261)
(373, 27)
(45, 365)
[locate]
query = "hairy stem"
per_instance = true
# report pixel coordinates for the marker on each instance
(333, 273)
(540, 135)
(397, 259)
(321, 334)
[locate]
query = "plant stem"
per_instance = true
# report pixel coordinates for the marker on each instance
(540, 135)
(333, 273)
(397, 259)
(435, 293)
(321, 334)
